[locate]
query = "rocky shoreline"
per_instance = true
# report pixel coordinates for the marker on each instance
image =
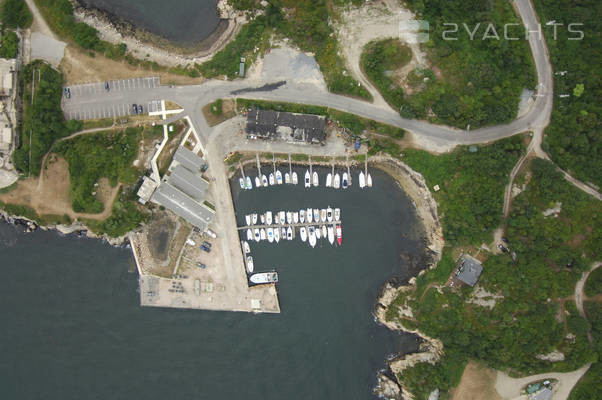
(145, 45)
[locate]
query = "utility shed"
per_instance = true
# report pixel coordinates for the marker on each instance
(191, 184)
(182, 205)
(7, 71)
(290, 127)
(469, 271)
(189, 159)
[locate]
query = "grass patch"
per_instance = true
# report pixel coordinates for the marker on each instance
(125, 217)
(15, 14)
(300, 157)
(97, 123)
(9, 45)
(593, 286)
(219, 111)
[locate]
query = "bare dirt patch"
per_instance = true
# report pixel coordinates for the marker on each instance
(477, 383)
(227, 112)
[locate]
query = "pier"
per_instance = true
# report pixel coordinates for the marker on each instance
(293, 225)
(258, 164)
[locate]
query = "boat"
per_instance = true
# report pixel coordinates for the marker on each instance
(262, 234)
(323, 215)
(309, 215)
(331, 234)
(268, 218)
(339, 231)
(295, 217)
(294, 178)
(270, 234)
(283, 233)
(303, 234)
(329, 180)
(329, 214)
(276, 218)
(272, 180)
(249, 234)
(337, 214)
(316, 215)
(289, 217)
(278, 177)
(307, 179)
(257, 235)
(246, 247)
(249, 264)
(345, 180)
(315, 179)
(264, 277)
(362, 180)
(249, 184)
(302, 216)
(318, 233)
(324, 232)
(264, 180)
(282, 216)
(262, 218)
(276, 235)
(241, 182)
(287, 178)
(312, 236)
(369, 180)
(257, 181)
(254, 218)
(337, 181)
(248, 219)
(289, 233)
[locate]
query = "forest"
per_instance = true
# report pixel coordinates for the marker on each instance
(15, 14)
(9, 45)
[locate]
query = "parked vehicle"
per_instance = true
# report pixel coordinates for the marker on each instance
(206, 244)
(205, 248)
(505, 239)
(139, 109)
(107, 88)
(67, 93)
(134, 109)
(502, 248)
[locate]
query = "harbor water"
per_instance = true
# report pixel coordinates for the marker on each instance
(73, 327)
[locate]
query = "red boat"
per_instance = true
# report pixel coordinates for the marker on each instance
(339, 234)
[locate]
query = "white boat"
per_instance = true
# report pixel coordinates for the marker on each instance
(268, 218)
(362, 180)
(309, 215)
(249, 264)
(289, 217)
(337, 181)
(282, 216)
(254, 218)
(369, 180)
(329, 180)
(323, 215)
(276, 218)
(331, 234)
(246, 247)
(316, 215)
(283, 233)
(302, 216)
(337, 214)
(289, 233)
(324, 232)
(262, 218)
(257, 181)
(249, 234)
(241, 182)
(264, 180)
(248, 219)
(287, 178)
(318, 233)
(262, 234)
(276, 235)
(345, 180)
(270, 234)
(329, 214)
(303, 234)
(264, 277)
(278, 177)
(307, 179)
(312, 236)
(272, 180)
(315, 179)
(294, 177)
(257, 235)
(296, 217)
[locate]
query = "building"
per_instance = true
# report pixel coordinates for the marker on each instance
(7, 76)
(178, 202)
(469, 270)
(285, 126)
(190, 160)
(192, 184)
(146, 189)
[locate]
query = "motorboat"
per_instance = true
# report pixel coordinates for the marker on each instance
(282, 216)
(246, 247)
(283, 233)
(270, 234)
(337, 214)
(289, 233)
(241, 182)
(248, 219)
(264, 180)
(287, 178)
(254, 218)
(262, 218)
(289, 217)
(278, 177)
(323, 215)
(331, 234)
(257, 235)
(262, 234)
(339, 231)
(249, 264)
(303, 234)
(329, 214)
(249, 184)
(264, 277)
(294, 178)
(249, 234)
(312, 236)
(272, 179)
(337, 181)
(316, 215)
(268, 218)
(295, 217)
(345, 180)
(318, 233)
(324, 232)
(307, 179)
(302, 216)
(362, 180)
(276, 234)
(309, 214)
(257, 181)
(329, 180)
(369, 180)
(315, 178)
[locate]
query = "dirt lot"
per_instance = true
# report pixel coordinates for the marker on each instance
(477, 383)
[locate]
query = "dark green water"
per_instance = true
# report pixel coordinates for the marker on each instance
(72, 327)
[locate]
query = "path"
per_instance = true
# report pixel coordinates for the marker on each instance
(579, 289)
(39, 21)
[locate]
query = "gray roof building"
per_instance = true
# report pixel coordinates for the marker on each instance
(183, 205)
(543, 394)
(191, 184)
(189, 159)
(286, 126)
(469, 271)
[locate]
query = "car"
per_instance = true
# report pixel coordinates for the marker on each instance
(139, 109)
(67, 93)
(205, 248)
(211, 233)
(134, 109)
(502, 248)
(505, 239)
(206, 244)
(107, 88)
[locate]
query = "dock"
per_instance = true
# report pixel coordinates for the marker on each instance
(258, 164)
(293, 225)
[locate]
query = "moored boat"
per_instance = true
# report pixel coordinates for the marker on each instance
(324, 232)
(303, 234)
(289, 233)
(289, 217)
(312, 236)
(316, 180)
(262, 218)
(302, 216)
(272, 179)
(282, 216)
(248, 219)
(318, 233)
(254, 218)
(309, 215)
(257, 181)
(249, 234)
(268, 218)
(270, 234)
(278, 177)
(257, 235)
(245, 246)
(262, 234)
(329, 214)
(283, 233)
(331, 234)
(295, 217)
(362, 180)
(316, 215)
(337, 181)
(339, 231)
(307, 179)
(337, 214)
(264, 180)
(250, 264)
(345, 180)
(264, 277)
(294, 178)
(276, 235)
(241, 182)
(329, 180)
(248, 183)
(323, 215)
(369, 180)
(287, 178)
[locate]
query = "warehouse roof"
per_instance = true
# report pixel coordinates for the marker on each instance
(191, 184)
(183, 205)
(286, 126)
(189, 159)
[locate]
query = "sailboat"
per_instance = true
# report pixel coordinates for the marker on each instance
(289, 233)
(303, 234)
(362, 180)
(337, 214)
(295, 217)
(257, 181)
(249, 234)
(262, 218)
(318, 233)
(272, 180)
(254, 218)
(276, 235)
(324, 231)
(312, 236)
(248, 219)
(241, 182)
(246, 247)
(302, 216)
(268, 218)
(294, 177)
(249, 264)
(316, 215)
(323, 215)
(309, 215)
(339, 234)
(287, 178)
(369, 180)
(248, 183)
(278, 177)
(307, 179)
(264, 180)
(329, 180)
(345, 180)
(282, 216)
(337, 181)
(331, 234)
(315, 179)
(289, 217)
(262, 234)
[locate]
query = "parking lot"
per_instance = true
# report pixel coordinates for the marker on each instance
(79, 104)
